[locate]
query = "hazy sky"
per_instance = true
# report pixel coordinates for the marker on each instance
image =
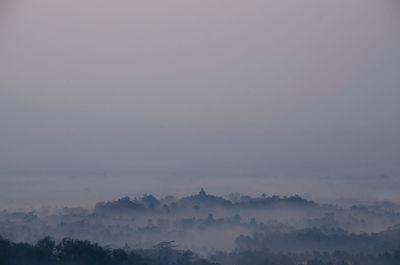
(253, 88)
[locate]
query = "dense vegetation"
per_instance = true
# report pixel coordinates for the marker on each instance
(77, 252)
(197, 202)
(266, 257)
(204, 229)
(322, 239)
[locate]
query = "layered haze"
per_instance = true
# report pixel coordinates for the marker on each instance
(100, 99)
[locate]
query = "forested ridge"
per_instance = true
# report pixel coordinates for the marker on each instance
(204, 229)
(80, 252)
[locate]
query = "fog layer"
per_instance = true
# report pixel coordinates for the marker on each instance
(178, 89)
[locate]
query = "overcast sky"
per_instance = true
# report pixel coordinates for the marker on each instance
(215, 88)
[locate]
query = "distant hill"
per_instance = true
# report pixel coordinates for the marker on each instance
(202, 200)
